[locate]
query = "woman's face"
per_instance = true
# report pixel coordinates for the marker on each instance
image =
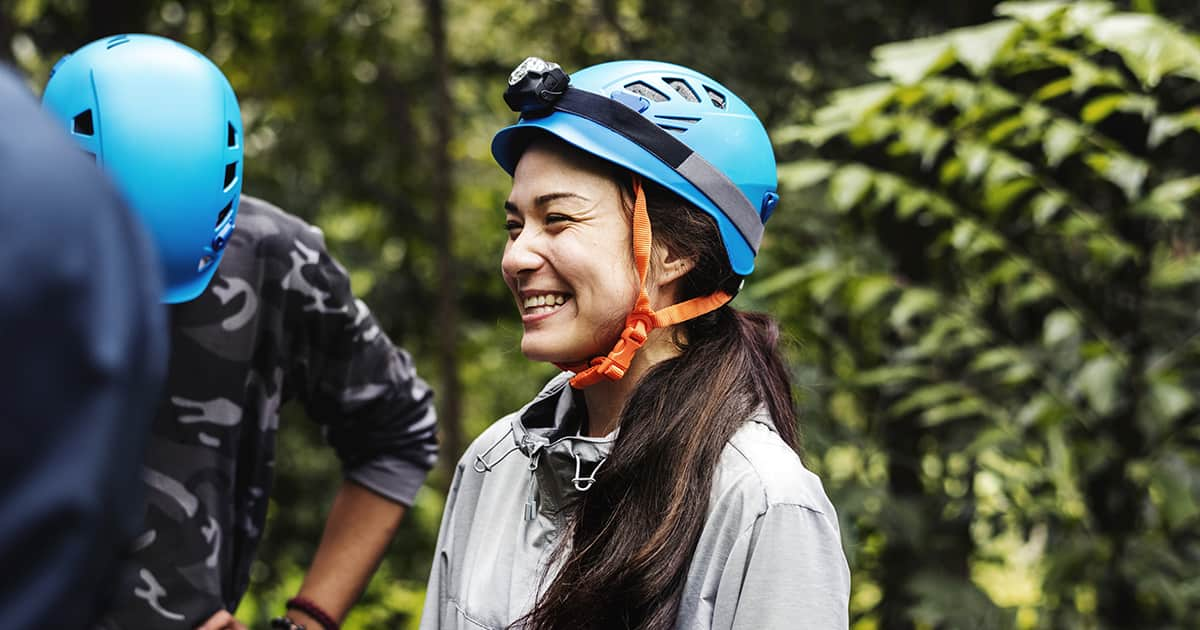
(568, 260)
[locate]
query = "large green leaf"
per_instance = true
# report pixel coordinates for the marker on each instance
(1059, 141)
(849, 185)
(804, 173)
(1173, 270)
(849, 107)
(1173, 483)
(912, 302)
(929, 396)
(1034, 13)
(1150, 46)
(1125, 171)
(1168, 126)
(910, 61)
(868, 291)
(1098, 380)
(978, 47)
(1058, 327)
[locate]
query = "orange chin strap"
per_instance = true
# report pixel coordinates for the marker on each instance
(642, 320)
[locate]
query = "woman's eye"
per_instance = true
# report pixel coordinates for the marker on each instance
(557, 218)
(512, 225)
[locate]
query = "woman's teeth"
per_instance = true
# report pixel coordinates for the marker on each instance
(542, 303)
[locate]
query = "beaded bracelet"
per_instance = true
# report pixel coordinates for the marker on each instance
(310, 608)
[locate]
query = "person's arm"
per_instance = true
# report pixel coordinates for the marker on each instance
(787, 571)
(361, 523)
(376, 412)
(357, 532)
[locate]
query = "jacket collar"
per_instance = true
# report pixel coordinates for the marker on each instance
(562, 462)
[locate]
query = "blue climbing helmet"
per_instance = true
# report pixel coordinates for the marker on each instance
(165, 123)
(665, 122)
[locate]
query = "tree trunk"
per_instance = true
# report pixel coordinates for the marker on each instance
(447, 310)
(106, 18)
(899, 560)
(7, 31)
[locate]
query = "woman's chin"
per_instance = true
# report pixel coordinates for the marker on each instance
(534, 350)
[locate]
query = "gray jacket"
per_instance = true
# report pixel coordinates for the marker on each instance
(770, 554)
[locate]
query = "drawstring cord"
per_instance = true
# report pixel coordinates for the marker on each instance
(643, 319)
(482, 465)
(583, 484)
(531, 500)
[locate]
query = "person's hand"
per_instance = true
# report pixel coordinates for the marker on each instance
(222, 620)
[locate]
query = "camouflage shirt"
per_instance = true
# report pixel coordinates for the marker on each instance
(277, 322)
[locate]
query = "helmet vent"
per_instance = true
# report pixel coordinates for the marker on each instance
(232, 141)
(716, 97)
(223, 214)
(686, 119)
(117, 41)
(679, 85)
(643, 89)
(672, 128)
(230, 174)
(82, 123)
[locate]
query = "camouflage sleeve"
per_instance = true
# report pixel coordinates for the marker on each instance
(376, 412)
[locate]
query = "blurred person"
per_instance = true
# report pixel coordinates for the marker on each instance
(86, 341)
(656, 482)
(260, 315)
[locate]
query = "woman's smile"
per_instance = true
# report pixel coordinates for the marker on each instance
(536, 306)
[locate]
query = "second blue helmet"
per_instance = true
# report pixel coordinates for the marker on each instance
(165, 124)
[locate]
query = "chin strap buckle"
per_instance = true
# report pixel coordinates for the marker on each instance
(615, 364)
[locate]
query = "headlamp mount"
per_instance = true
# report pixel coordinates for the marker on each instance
(535, 86)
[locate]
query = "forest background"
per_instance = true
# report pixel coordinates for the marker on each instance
(985, 263)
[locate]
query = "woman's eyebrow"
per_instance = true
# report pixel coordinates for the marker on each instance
(542, 200)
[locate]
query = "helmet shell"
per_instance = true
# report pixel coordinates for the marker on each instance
(164, 122)
(701, 112)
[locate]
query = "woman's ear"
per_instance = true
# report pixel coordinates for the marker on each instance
(668, 267)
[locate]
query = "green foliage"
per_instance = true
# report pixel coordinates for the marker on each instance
(1019, 346)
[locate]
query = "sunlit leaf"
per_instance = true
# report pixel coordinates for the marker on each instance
(910, 61)
(912, 302)
(1045, 206)
(1171, 400)
(1097, 381)
(1168, 126)
(1100, 108)
(928, 396)
(1126, 172)
(1149, 46)
(978, 47)
(866, 292)
(804, 173)
(1034, 13)
(1173, 480)
(848, 186)
(1059, 141)
(1058, 327)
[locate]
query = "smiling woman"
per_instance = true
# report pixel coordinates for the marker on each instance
(657, 486)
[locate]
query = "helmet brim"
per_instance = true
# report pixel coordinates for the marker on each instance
(510, 143)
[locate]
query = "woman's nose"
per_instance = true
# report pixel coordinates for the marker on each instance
(522, 254)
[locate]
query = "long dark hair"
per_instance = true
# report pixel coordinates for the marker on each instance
(633, 534)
